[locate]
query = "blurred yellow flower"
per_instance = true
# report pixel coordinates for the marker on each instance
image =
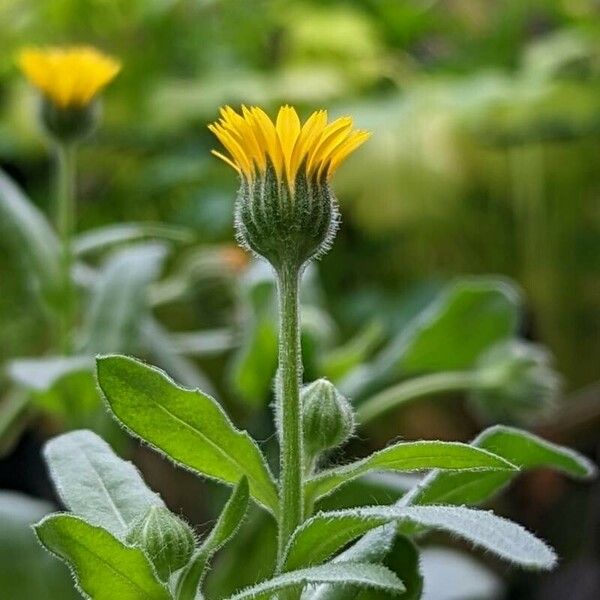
(315, 149)
(70, 76)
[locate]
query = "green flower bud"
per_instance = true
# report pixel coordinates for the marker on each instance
(68, 124)
(167, 540)
(284, 226)
(517, 383)
(328, 417)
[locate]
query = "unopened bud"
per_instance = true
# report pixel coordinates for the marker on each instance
(517, 382)
(68, 124)
(167, 540)
(328, 417)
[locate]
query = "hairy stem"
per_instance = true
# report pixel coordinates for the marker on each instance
(412, 389)
(65, 223)
(289, 410)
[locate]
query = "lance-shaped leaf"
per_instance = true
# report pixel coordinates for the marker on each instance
(103, 567)
(101, 238)
(468, 316)
(95, 483)
(365, 575)
(408, 456)
(118, 298)
(227, 525)
(521, 448)
(323, 535)
(188, 426)
(374, 547)
(32, 235)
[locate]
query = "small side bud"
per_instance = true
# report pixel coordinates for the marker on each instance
(167, 540)
(517, 383)
(69, 123)
(328, 418)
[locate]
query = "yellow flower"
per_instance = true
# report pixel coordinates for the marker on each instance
(254, 142)
(69, 77)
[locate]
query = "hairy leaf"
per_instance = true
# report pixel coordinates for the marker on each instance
(342, 574)
(408, 456)
(227, 525)
(521, 448)
(323, 535)
(95, 483)
(118, 298)
(188, 426)
(103, 567)
(32, 235)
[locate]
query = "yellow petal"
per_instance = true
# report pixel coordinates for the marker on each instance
(354, 140)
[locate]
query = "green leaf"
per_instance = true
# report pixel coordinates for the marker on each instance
(96, 484)
(118, 298)
(32, 236)
(40, 374)
(373, 547)
(27, 571)
(407, 456)
(323, 535)
(340, 361)
(467, 317)
(103, 567)
(227, 525)
(521, 448)
(162, 349)
(342, 574)
(402, 559)
(101, 238)
(188, 426)
(256, 362)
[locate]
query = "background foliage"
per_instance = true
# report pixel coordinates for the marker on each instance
(484, 159)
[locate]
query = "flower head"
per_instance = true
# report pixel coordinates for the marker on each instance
(286, 211)
(315, 149)
(71, 76)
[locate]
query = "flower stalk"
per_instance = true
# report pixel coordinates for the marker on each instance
(65, 224)
(289, 408)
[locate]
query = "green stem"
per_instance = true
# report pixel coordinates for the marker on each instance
(412, 389)
(65, 224)
(288, 405)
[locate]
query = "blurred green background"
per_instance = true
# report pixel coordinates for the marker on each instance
(485, 158)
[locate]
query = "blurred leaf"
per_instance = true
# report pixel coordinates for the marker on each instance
(118, 299)
(407, 456)
(467, 317)
(340, 361)
(321, 536)
(521, 448)
(449, 334)
(26, 570)
(162, 348)
(13, 408)
(102, 566)
(255, 365)
(188, 426)
(40, 374)
(63, 385)
(95, 484)
(363, 574)
(204, 343)
(33, 237)
(452, 575)
(230, 520)
(101, 238)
